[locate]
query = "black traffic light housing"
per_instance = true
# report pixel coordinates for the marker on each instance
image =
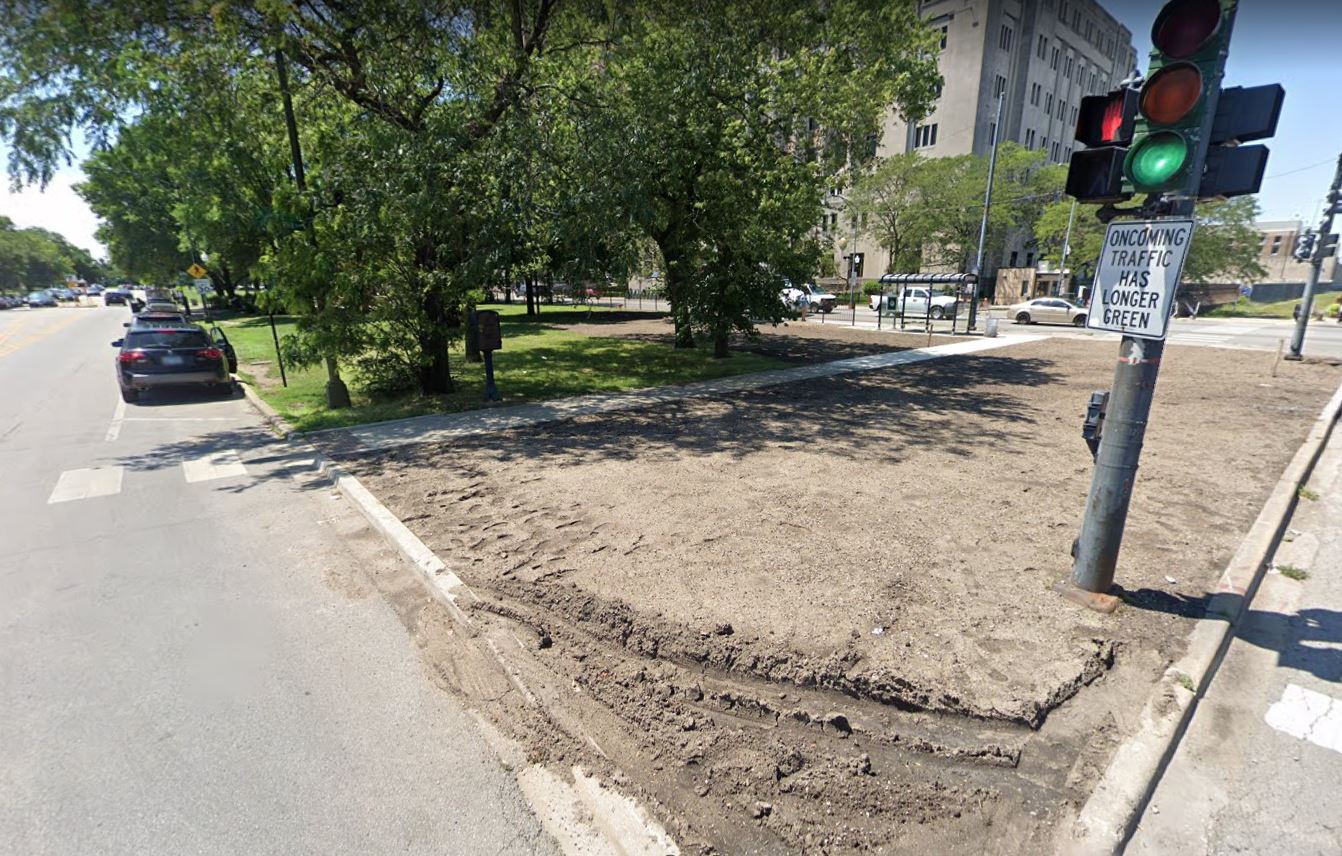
(1104, 123)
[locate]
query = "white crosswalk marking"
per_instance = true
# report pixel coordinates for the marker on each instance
(1308, 715)
(86, 484)
(1199, 339)
(216, 465)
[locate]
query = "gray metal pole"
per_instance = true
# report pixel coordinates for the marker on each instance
(1106, 516)
(1116, 468)
(1067, 243)
(987, 206)
(1315, 264)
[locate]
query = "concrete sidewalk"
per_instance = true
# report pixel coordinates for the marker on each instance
(448, 426)
(1260, 768)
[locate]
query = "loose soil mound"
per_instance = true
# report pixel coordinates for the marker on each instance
(754, 578)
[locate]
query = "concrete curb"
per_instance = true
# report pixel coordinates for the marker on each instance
(274, 420)
(1110, 815)
(581, 817)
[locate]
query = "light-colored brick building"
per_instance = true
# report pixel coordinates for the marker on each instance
(1043, 55)
(1284, 278)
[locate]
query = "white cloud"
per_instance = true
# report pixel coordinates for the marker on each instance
(57, 208)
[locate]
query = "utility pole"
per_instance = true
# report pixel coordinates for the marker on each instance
(1067, 243)
(987, 206)
(1318, 249)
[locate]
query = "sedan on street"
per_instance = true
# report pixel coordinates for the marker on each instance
(176, 356)
(40, 298)
(1048, 310)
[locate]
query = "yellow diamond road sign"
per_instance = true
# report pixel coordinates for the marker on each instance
(196, 271)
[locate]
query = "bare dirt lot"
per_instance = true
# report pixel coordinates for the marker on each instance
(819, 617)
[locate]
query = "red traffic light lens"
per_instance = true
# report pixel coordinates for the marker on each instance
(1183, 27)
(1171, 92)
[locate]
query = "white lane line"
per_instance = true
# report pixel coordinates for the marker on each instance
(86, 484)
(1308, 715)
(118, 416)
(216, 465)
(185, 418)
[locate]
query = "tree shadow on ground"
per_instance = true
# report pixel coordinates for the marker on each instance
(267, 459)
(939, 408)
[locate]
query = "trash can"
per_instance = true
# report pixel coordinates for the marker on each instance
(990, 328)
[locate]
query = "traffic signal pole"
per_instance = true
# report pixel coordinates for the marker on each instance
(1190, 48)
(1315, 266)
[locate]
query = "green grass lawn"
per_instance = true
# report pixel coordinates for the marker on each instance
(1249, 309)
(539, 360)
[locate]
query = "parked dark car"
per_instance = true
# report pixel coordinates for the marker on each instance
(153, 357)
(40, 298)
(64, 295)
(115, 297)
(157, 319)
(221, 342)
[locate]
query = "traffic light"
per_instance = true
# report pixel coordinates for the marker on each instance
(1328, 246)
(1304, 247)
(1104, 124)
(1189, 43)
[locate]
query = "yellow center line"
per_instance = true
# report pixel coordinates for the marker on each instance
(7, 347)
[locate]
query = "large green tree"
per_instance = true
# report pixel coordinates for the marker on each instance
(735, 117)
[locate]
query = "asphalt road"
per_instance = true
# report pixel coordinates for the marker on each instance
(1323, 339)
(1259, 767)
(191, 657)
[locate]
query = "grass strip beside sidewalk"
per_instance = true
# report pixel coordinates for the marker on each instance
(540, 360)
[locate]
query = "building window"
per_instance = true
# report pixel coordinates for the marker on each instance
(1035, 89)
(1090, 31)
(1073, 115)
(1067, 153)
(999, 86)
(1062, 11)
(944, 29)
(1053, 63)
(1056, 152)
(1015, 257)
(1029, 259)
(1048, 103)
(992, 132)
(1067, 67)
(1043, 47)
(1062, 109)
(940, 86)
(1276, 244)
(1029, 138)
(1043, 144)
(925, 135)
(1076, 20)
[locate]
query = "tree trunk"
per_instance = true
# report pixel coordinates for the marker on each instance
(677, 287)
(720, 338)
(337, 394)
(435, 375)
(531, 294)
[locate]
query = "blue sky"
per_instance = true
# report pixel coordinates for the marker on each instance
(1297, 43)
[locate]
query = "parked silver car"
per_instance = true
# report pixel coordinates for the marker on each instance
(1048, 310)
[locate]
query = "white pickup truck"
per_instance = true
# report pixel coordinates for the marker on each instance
(913, 302)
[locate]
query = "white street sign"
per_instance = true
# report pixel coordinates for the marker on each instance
(1137, 275)
(203, 286)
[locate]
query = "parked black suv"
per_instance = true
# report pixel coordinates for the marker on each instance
(186, 355)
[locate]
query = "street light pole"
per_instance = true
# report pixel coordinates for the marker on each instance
(1316, 264)
(1067, 242)
(987, 206)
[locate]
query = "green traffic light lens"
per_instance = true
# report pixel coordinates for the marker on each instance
(1156, 160)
